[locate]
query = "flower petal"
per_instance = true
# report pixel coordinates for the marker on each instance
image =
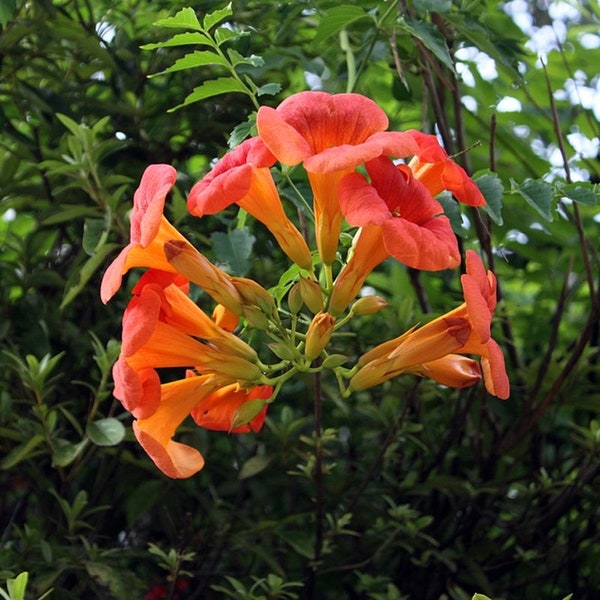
(360, 202)
(149, 202)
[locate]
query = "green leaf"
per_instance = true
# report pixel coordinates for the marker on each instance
(242, 131)
(118, 582)
(439, 6)
(254, 465)
(429, 35)
(213, 87)
(7, 9)
(452, 211)
(81, 276)
(234, 248)
(66, 452)
(21, 452)
(182, 39)
(581, 193)
(336, 19)
(199, 58)
(70, 213)
(268, 89)
(184, 19)
(17, 586)
(538, 194)
(95, 232)
(237, 59)
(493, 191)
(211, 19)
(105, 432)
(71, 125)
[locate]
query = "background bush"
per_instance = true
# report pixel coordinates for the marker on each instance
(425, 492)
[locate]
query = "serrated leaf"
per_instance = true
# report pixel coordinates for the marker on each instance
(269, 89)
(429, 35)
(211, 19)
(184, 19)
(224, 34)
(538, 194)
(21, 452)
(336, 19)
(493, 191)
(253, 466)
(452, 211)
(199, 58)
(182, 39)
(234, 248)
(105, 432)
(242, 131)
(587, 195)
(210, 88)
(237, 59)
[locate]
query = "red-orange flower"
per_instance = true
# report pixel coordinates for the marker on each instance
(330, 135)
(432, 166)
(163, 327)
(433, 350)
(151, 233)
(409, 352)
(148, 229)
(242, 176)
(400, 218)
(211, 405)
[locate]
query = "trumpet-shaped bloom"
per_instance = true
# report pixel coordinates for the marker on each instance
(162, 327)
(406, 354)
(243, 177)
(479, 290)
(211, 405)
(413, 228)
(432, 166)
(330, 135)
(399, 218)
(151, 235)
(148, 229)
(433, 350)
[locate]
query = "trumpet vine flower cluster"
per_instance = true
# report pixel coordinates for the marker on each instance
(381, 184)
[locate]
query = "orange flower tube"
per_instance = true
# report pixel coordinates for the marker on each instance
(330, 135)
(242, 176)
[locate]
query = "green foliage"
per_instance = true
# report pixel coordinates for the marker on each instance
(410, 490)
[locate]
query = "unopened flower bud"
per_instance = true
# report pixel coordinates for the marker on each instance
(312, 295)
(256, 318)
(369, 305)
(253, 294)
(295, 301)
(318, 334)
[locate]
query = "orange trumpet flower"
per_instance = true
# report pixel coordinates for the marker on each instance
(330, 135)
(432, 166)
(399, 218)
(211, 406)
(242, 176)
(434, 350)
